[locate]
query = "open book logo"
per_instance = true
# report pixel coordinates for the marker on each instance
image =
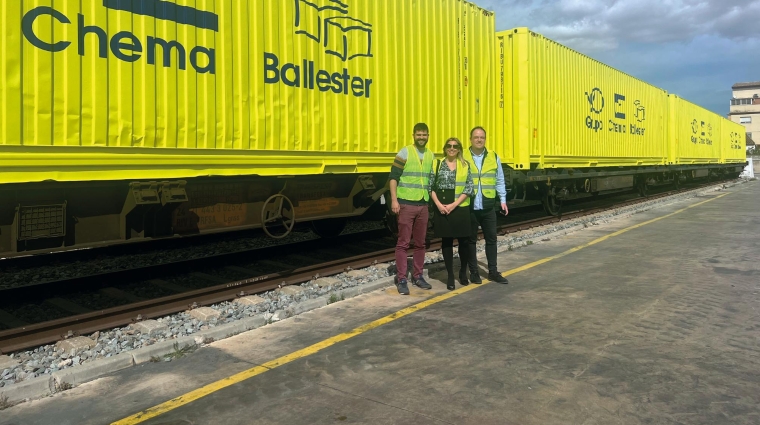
(328, 23)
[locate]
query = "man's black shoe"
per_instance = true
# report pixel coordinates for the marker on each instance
(498, 278)
(475, 278)
(421, 283)
(402, 288)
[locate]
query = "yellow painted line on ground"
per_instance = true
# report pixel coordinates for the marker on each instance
(258, 370)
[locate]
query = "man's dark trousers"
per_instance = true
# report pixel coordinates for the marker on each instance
(486, 219)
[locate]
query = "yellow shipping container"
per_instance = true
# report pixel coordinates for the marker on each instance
(110, 90)
(694, 134)
(733, 142)
(560, 109)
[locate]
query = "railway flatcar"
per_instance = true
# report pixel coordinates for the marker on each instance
(124, 121)
(569, 126)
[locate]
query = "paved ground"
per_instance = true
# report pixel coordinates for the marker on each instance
(657, 325)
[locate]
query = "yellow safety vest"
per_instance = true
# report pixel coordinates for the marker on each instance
(461, 183)
(485, 178)
(415, 179)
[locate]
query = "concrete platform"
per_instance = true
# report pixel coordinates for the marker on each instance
(653, 318)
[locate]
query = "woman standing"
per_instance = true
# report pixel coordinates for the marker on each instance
(451, 190)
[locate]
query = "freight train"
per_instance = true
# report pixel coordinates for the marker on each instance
(568, 126)
(130, 121)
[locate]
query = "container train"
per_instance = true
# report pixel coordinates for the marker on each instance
(129, 121)
(568, 126)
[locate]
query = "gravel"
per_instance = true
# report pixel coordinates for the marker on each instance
(46, 359)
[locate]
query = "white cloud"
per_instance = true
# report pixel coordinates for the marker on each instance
(605, 24)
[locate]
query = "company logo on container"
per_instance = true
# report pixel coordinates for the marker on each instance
(594, 122)
(702, 133)
(640, 111)
(124, 45)
(596, 99)
(341, 36)
(326, 22)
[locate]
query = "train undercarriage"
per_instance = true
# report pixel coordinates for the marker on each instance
(58, 216)
(550, 188)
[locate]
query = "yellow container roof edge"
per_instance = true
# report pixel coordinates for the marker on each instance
(518, 30)
(481, 8)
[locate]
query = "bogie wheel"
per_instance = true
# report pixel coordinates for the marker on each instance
(278, 216)
(551, 204)
(677, 181)
(329, 228)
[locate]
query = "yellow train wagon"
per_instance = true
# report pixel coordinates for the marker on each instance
(562, 109)
(694, 133)
(569, 126)
(733, 142)
(125, 120)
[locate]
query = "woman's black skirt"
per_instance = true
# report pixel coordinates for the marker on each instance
(454, 225)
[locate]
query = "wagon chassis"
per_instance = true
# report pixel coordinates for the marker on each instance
(552, 187)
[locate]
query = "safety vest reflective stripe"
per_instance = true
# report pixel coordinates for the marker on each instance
(485, 177)
(415, 179)
(412, 185)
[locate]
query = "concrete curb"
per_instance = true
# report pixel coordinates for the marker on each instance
(160, 349)
(234, 328)
(378, 284)
(31, 389)
(535, 240)
(90, 371)
(309, 305)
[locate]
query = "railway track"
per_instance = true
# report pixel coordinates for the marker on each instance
(162, 289)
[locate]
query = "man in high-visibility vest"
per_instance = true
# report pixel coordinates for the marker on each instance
(410, 193)
(488, 178)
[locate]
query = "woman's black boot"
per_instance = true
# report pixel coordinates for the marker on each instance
(447, 249)
(463, 277)
(463, 255)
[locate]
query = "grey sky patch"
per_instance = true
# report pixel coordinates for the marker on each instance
(694, 48)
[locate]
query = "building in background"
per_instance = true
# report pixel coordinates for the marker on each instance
(745, 107)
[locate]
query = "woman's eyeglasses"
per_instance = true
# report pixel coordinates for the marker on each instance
(450, 146)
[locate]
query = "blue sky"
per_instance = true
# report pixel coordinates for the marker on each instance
(694, 48)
